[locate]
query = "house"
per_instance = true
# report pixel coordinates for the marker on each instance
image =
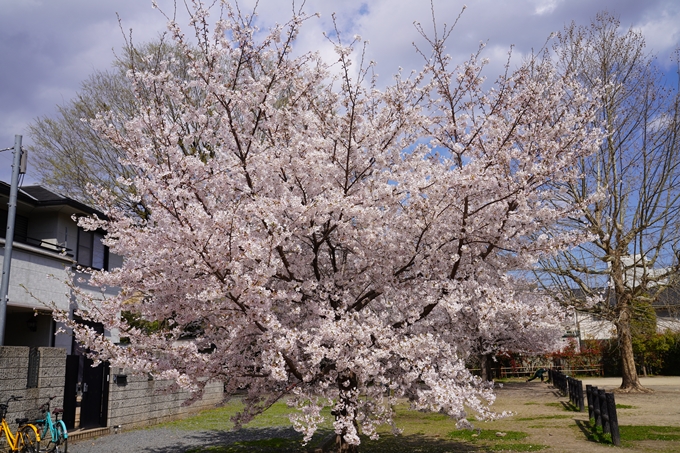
(666, 306)
(36, 360)
(48, 244)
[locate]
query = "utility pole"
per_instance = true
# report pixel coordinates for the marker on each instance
(9, 237)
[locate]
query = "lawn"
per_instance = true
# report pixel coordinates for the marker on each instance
(542, 420)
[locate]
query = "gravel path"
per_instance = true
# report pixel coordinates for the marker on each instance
(166, 440)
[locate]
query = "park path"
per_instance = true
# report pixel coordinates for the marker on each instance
(534, 404)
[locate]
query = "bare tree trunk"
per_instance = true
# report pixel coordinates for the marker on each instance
(630, 382)
(485, 365)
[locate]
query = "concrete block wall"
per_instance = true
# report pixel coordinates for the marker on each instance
(14, 377)
(143, 402)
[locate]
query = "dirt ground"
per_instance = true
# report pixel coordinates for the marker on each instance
(540, 411)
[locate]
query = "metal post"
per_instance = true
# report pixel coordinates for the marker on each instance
(9, 237)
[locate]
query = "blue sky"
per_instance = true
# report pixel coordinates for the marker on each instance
(47, 47)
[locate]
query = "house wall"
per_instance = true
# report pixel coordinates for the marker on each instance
(142, 402)
(664, 323)
(593, 328)
(31, 269)
(44, 274)
(14, 377)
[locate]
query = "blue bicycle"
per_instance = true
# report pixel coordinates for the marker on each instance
(58, 435)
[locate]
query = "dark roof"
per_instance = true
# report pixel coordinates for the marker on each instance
(39, 196)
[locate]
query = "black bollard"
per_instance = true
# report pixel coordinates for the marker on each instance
(580, 396)
(589, 396)
(596, 407)
(613, 420)
(571, 387)
(604, 411)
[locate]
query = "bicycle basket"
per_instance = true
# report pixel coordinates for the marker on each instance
(3, 411)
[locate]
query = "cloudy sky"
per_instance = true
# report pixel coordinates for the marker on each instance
(47, 47)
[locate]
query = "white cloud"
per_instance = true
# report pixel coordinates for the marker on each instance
(545, 6)
(48, 47)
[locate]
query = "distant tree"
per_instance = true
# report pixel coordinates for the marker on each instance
(530, 322)
(320, 236)
(633, 255)
(71, 157)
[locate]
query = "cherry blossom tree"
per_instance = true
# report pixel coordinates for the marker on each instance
(312, 236)
(528, 321)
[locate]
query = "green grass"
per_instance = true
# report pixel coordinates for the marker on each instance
(264, 445)
(493, 442)
(220, 418)
(638, 433)
(630, 434)
(597, 435)
(431, 432)
(625, 406)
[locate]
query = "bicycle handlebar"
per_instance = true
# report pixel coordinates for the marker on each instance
(46, 406)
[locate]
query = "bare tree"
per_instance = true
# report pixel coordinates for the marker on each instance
(629, 190)
(74, 159)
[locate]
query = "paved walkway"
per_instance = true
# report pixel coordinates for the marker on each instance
(610, 383)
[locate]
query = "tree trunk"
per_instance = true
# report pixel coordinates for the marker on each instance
(344, 447)
(486, 367)
(630, 382)
(347, 383)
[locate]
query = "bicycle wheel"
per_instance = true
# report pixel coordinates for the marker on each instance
(28, 442)
(60, 443)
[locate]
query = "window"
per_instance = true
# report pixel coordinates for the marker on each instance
(91, 251)
(20, 226)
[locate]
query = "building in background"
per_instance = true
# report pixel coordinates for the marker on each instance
(48, 247)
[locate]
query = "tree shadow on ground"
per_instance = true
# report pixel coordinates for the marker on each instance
(286, 440)
(417, 443)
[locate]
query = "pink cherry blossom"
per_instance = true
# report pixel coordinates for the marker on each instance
(330, 241)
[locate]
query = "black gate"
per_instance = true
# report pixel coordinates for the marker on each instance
(94, 403)
(87, 385)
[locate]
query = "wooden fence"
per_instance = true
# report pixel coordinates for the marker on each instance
(502, 372)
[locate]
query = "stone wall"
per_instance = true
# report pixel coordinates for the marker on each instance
(14, 378)
(140, 402)
(143, 401)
